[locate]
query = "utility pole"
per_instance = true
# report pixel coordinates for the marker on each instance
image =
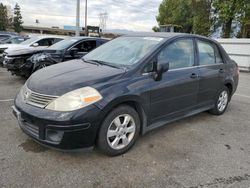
(77, 17)
(86, 18)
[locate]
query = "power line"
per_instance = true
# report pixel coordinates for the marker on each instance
(103, 20)
(139, 8)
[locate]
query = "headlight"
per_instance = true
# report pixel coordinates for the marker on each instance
(24, 92)
(75, 100)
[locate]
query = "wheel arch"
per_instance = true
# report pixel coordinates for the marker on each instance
(132, 101)
(229, 85)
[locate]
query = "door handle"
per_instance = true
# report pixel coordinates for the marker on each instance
(221, 71)
(194, 75)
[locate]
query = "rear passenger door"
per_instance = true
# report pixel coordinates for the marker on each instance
(212, 71)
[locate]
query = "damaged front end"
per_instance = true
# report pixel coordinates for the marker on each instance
(2, 55)
(41, 60)
(25, 65)
(17, 65)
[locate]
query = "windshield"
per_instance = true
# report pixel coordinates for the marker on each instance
(29, 41)
(63, 44)
(123, 51)
(15, 40)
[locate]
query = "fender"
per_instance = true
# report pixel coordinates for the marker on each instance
(39, 59)
(133, 100)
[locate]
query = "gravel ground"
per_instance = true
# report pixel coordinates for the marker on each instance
(200, 151)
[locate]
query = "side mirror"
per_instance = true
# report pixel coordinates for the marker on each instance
(35, 44)
(73, 51)
(163, 67)
(160, 69)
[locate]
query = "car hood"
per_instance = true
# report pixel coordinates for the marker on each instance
(18, 47)
(23, 51)
(5, 46)
(65, 77)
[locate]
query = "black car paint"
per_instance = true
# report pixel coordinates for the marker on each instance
(20, 62)
(177, 95)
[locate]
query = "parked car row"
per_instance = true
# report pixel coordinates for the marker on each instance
(42, 51)
(124, 88)
(5, 35)
(11, 38)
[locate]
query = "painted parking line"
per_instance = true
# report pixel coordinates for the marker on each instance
(6, 100)
(246, 96)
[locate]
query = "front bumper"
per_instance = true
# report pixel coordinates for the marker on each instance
(17, 65)
(64, 131)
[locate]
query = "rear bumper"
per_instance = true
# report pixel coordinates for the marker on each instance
(71, 132)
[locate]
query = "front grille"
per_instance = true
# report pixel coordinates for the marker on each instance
(37, 99)
(8, 61)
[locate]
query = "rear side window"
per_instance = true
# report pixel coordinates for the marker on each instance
(206, 53)
(179, 54)
(218, 58)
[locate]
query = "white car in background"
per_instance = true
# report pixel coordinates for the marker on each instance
(40, 41)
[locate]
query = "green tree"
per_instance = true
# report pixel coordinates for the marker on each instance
(156, 29)
(192, 15)
(245, 22)
(201, 17)
(3, 17)
(17, 21)
(229, 11)
(177, 12)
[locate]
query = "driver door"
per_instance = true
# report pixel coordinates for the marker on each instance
(176, 93)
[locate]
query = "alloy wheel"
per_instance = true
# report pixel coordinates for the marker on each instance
(121, 131)
(222, 101)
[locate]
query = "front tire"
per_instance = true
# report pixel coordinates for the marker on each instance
(221, 102)
(119, 131)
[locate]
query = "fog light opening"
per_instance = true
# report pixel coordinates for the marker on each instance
(54, 136)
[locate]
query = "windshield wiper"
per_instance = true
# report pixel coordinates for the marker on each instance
(104, 63)
(90, 61)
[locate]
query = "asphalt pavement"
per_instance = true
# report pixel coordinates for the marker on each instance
(203, 151)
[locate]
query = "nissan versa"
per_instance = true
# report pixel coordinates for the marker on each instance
(125, 88)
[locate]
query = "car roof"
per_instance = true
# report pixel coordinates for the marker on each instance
(83, 37)
(166, 35)
(156, 34)
(50, 36)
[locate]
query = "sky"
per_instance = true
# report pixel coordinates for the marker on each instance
(132, 15)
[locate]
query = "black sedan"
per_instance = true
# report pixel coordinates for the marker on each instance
(25, 62)
(125, 88)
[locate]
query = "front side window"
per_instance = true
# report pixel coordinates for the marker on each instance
(206, 53)
(86, 46)
(46, 42)
(179, 54)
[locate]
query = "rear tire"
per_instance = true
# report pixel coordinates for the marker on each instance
(119, 131)
(221, 103)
